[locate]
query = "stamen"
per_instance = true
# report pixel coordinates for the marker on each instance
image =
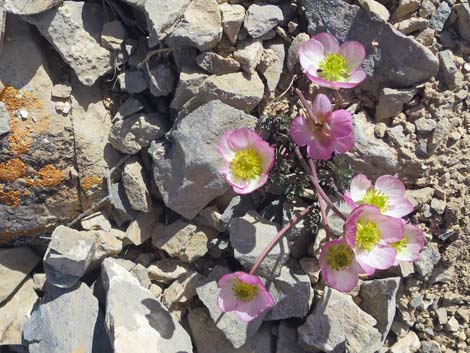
(244, 291)
(367, 236)
(333, 68)
(246, 164)
(376, 198)
(400, 245)
(339, 257)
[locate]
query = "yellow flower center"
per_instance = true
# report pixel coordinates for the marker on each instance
(400, 245)
(376, 198)
(246, 164)
(333, 68)
(339, 257)
(367, 236)
(244, 291)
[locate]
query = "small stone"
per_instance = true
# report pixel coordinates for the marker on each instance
(408, 344)
(429, 257)
(430, 347)
(188, 86)
(452, 325)
(140, 229)
(113, 35)
(132, 82)
(420, 197)
(464, 314)
(68, 256)
(61, 91)
(396, 135)
(162, 80)
(311, 267)
(272, 68)
(380, 129)
(249, 236)
(438, 206)
(292, 55)
(211, 217)
(96, 221)
(249, 53)
(424, 125)
(181, 290)
(391, 102)
(217, 64)
(141, 273)
(427, 9)
(134, 181)
(447, 68)
(167, 270)
(443, 275)
(39, 282)
(441, 132)
(136, 132)
(441, 314)
(232, 20)
(4, 120)
(287, 339)
(375, 8)
(261, 18)
(406, 8)
(156, 290)
(463, 21)
(122, 211)
(183, 240)
(129, 107)
(412, 25)
(440, 17)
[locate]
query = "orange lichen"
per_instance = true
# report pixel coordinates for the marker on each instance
(50, 176)
(16, 99)
(10, 198)
(19, 139)
(90, 182)
(12, 170)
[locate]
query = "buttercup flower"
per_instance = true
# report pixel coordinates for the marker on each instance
(371, 235)
(409, 247)
(339, 267)
(331, 131)
(328, 64)
(248, 159)
(388, 195)
(243, 294)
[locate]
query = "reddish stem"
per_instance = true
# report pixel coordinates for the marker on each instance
(279, 236)
(339, 100)
(306, 105)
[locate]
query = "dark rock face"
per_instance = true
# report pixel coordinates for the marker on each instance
(393, 60)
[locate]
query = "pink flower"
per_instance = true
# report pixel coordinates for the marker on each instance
(410, 246)
(248, 159)
(243, 294)
(331, 131)
(371, 235)
(388, 195)
(328, 64)
(339, 267)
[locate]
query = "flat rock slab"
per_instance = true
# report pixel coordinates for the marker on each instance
(393, 59)
(64, 321)
(187, 172)
(30, 7)
(137, 322)
(15, 265)
(74, 30)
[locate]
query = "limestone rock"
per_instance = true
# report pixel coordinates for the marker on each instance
(186, 174)
(189, 84)
(74, 29)
(463, 13)
(15, 265)
(181, 290)
(438, 20)
(448, 70)
(272, 68)
(142, 324)
(397, 61)
(68, 256)
(183, 240)
(107, 244)
(249, 54)
(429, 257)
(200, 26)
(292, 56)
(408, 344)
(132, 81)
(4, 120)
(261, 18)
(232, 20)
(140, 229)
(211, 217)
(134, 181)
(217, 64)
(30, 7)
(391, 102)
(166, 270)
(96, 221)
(16, 312)
(336, 323)
(136, 132)
(375, 8)
(113, 35)
(162, 80)
(249, 236)
(405, 8)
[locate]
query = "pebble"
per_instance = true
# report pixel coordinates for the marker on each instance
(375, 8)
(162, 80)
(216, 64)
(261, 18)
(430, 256)
(408, 344)
(232, 20)
(439, 18)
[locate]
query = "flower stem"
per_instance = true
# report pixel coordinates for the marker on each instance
(339, 100)
(306, 105)
(279, 236)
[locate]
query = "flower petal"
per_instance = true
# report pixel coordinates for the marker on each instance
(359, 186)
(354, 53)
(330, 43)
(227, 300)
(243, 138)
(342, 131)
(391, 186)
(311, 53)
(300, 131)
(391, 228)
(266, 152)
(223, 146)
(247, 186)
(399, 208)
(321, 105)
(313, 76)
(380, 258)
(319, 151)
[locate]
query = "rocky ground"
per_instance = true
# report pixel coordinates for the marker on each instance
(114, 107)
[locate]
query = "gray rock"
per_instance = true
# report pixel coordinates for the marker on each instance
(249, 236)
(424, 125)
(209, 339)
(15, 265)
(64, 321)
(183, 240)
(375, 8)
(292, 294)
(142, 324)
(74, 30)
(129, 107)
(162, 80)
(15, 313)
(96, 221)
(200, 26)
(237, 207)
(430, 347)
(287, 339)
(122, 211)
(141, 273)
(396, 135)
(463, 14)
(4, 120)
(427, 9)
(379, 300)
(440, 17)
(238, 332)
(187, 175)
(181, 290)
(136, 132)
(232, 19)
(429, 257)
(68, 256)
(211, 217)
(337, 324)
(217, 64)
(134, 181)
(189, 84)
(311, 267)
(249, 53)
(167, 270)
(391, 102)
(133, 82)
(141, 228)
(299, 236)
(440, 134)
(29, 7)
(113, 35)
(271, 68)
(405, 8)
(3, 20)
(107, 243)
(412, 25)
(292, 56)
(261, 18)
(397, 61)
(408, 344)
(447, 68)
